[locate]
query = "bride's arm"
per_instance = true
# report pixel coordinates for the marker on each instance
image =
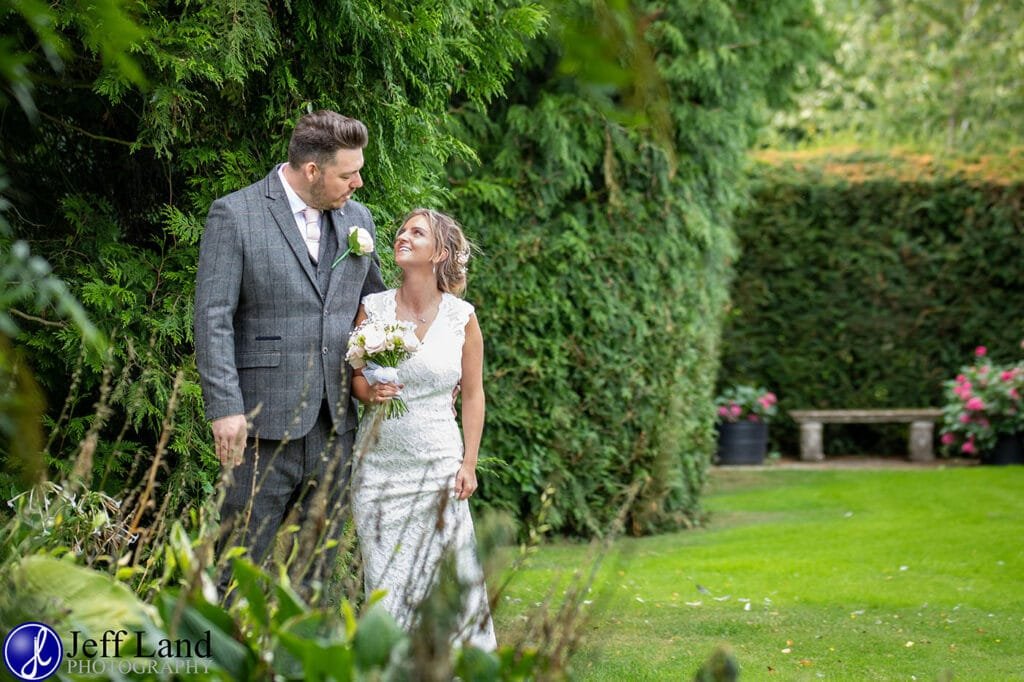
(472, 407)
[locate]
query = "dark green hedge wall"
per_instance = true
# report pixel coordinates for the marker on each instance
(868, 289)
(606, 257)
(606, 227)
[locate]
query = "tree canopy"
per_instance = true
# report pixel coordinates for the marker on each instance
(940, 74)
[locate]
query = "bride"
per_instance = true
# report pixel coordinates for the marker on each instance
(414, 474)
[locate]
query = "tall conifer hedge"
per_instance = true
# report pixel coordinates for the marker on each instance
(607, 252)
(113, 182)
(605, 234)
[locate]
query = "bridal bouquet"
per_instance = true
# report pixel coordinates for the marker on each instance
(380, 347)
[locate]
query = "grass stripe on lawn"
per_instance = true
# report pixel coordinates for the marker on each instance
(809, 575)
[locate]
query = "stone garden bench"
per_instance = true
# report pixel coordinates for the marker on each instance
(922, 428)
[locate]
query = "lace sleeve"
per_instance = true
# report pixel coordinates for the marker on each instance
(374, 304)
(459, 314)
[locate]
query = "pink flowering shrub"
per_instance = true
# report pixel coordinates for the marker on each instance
(746, 403)
(982, 402)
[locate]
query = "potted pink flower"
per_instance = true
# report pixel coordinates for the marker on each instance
(743, 415)
(984, 413)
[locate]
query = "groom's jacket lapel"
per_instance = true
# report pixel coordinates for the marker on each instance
(352, 268)
(336, 217)
(281, 211)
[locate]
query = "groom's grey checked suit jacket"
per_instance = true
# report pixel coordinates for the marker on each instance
(266, 336)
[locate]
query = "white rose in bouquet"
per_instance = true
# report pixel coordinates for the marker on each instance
(375, 339)
(378, 348)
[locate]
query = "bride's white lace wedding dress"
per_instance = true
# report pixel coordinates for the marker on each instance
(403, 501)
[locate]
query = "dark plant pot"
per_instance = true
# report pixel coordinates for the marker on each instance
(742, 443)
(1009, 449)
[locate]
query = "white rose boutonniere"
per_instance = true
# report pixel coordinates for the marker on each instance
(360, 243)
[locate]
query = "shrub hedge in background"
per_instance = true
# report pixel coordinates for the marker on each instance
(866, 280)
(606, 251)
(605, 228)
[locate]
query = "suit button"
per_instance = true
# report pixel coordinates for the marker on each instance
(324, 350)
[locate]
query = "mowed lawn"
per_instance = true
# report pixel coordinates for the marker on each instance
(809, 575)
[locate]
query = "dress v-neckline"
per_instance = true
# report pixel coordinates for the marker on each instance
(394, 314)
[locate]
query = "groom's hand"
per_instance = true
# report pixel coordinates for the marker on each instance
(455, 396)
(229, 438)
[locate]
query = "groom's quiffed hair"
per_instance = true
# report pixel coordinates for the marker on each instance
(319, 135)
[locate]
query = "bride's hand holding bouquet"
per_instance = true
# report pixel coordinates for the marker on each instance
(377, 348)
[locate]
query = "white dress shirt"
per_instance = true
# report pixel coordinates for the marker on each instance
(298, 206)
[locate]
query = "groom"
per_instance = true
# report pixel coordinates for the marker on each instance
(273, 312)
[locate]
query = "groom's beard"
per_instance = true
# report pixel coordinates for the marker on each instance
(320, 200)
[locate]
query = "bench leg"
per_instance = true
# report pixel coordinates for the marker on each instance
(920, 446)
(811, 449)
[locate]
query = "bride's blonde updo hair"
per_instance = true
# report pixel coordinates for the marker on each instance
(448, 236)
